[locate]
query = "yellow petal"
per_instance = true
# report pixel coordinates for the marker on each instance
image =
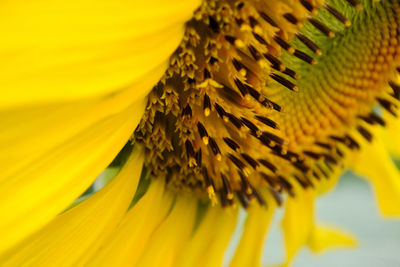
(56, 48)
(323, 238)
(324, 186)
(298, 222)
(67, 50)
(390, 135)
(30, 132)
(248, 252)
(43, 189)
(375, 164)
(121, 248)
(168, 241)
(214, 255)
(207, 246)
(201, 239)
(79, 232)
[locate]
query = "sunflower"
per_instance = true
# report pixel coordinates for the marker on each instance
(200, 110)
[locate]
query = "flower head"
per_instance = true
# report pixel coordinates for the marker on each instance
(269, 95)
(254, 103)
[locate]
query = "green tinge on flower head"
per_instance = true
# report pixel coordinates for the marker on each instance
(350, 77)
(262, 104)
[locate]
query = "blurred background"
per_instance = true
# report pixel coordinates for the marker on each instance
(352, 207)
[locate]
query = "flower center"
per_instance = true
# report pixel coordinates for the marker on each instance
(262, 94)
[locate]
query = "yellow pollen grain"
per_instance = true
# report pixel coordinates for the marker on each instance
(205, 140)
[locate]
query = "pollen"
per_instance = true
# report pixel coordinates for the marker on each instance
(267, 94)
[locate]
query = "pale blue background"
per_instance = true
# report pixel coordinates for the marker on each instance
(351, 206)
